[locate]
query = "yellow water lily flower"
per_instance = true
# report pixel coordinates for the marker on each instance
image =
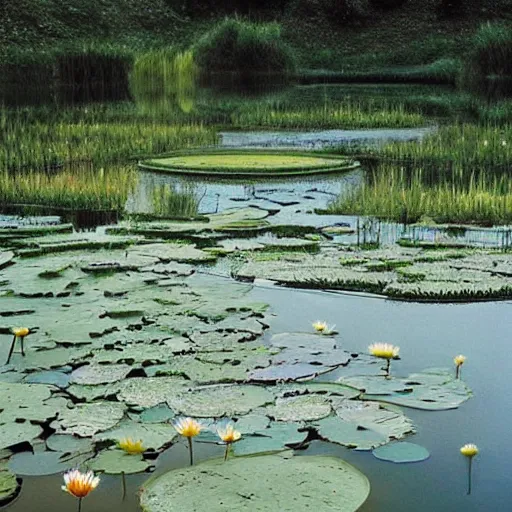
(130, 446)
(80, 484)
(228, 434)
(469, 450)
(20, 332)
(188, 427)
(459, 361)
(320, 326)
(384, 350)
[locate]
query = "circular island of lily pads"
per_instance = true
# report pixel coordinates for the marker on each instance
(254, 163)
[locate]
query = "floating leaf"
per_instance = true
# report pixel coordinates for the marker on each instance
(216, 401)
(259, 483)
(54, 378)
(85, 420)
(14, 433)
(148, 392)
(252, 423)
(300, 408)
(153, 436)
(69, 444)
(44, 463)
(274, 438)
(9, 485)
(401, 452)
(115, 462)
(158, 414)
(100, 374)
(434, 389)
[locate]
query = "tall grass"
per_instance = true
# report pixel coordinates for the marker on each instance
(164, 80)
(344, 115)
(81, 188)
(169, 201)
(466, 145)
(243, 47)
(394, 194)
(31, 144)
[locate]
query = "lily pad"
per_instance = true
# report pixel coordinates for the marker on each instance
(401, 452)
(44, 463)
(100, 374)
(217, 401)
(54, 378)
(9, 485)
(69, 444)
(272, 439)
(153, 436)
(14, 433)
(148, 392)
(85, 420)
(300, 408)
(434, 389)
(259, 483)
(252, 423)
(158, 414)
(115, 462)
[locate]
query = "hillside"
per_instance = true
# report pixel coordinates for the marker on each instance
(362, 35)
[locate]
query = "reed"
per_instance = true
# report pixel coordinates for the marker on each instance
(394, 194)
(81, 188)
(169, 201)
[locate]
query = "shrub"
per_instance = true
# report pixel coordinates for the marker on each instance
(490, 58)
(245, 48)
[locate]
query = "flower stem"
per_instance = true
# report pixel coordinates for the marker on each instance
(457, 372)
(123, 479)
(388, 365)
(228, 446)
(190, 451)
(469, 475)
(11, 349)
(79, 504)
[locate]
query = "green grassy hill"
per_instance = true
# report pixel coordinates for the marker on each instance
(413, 33)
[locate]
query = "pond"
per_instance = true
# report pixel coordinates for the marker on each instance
(121, 296)
(429, 335)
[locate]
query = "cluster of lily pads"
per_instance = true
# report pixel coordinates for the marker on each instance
(123, 337)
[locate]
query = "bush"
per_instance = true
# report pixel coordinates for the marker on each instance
(245, 48)
(490, 58)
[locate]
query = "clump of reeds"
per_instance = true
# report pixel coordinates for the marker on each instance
(169, 201)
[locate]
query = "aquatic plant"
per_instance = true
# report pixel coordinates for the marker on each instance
(18, 333)
(80, 188)
(80, 484)
(324, 328)
(169, 201)
(459, 361)
(469, 450)
(128, 445)
(384, 351)
(396, 194)
(189, 428)
(228, 435)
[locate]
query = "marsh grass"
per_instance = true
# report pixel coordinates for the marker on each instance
(169, 201)
(33, 144)
(80, 188)
(342, 115)
(392, 193)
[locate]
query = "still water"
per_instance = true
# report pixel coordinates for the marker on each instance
(429, 336)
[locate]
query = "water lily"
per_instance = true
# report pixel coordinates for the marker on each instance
(459, 361)
(130, 446)
(384, 351)
(469, 450)
(229, 435)
(18, 332)
(503, 142)
(79, 484)
(323, 328)
(189, 428)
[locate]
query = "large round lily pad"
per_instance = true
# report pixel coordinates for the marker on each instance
(270, 482)
(245, 163)
(115, 462)
(9, 485)
(401, 452)
(45, 463)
